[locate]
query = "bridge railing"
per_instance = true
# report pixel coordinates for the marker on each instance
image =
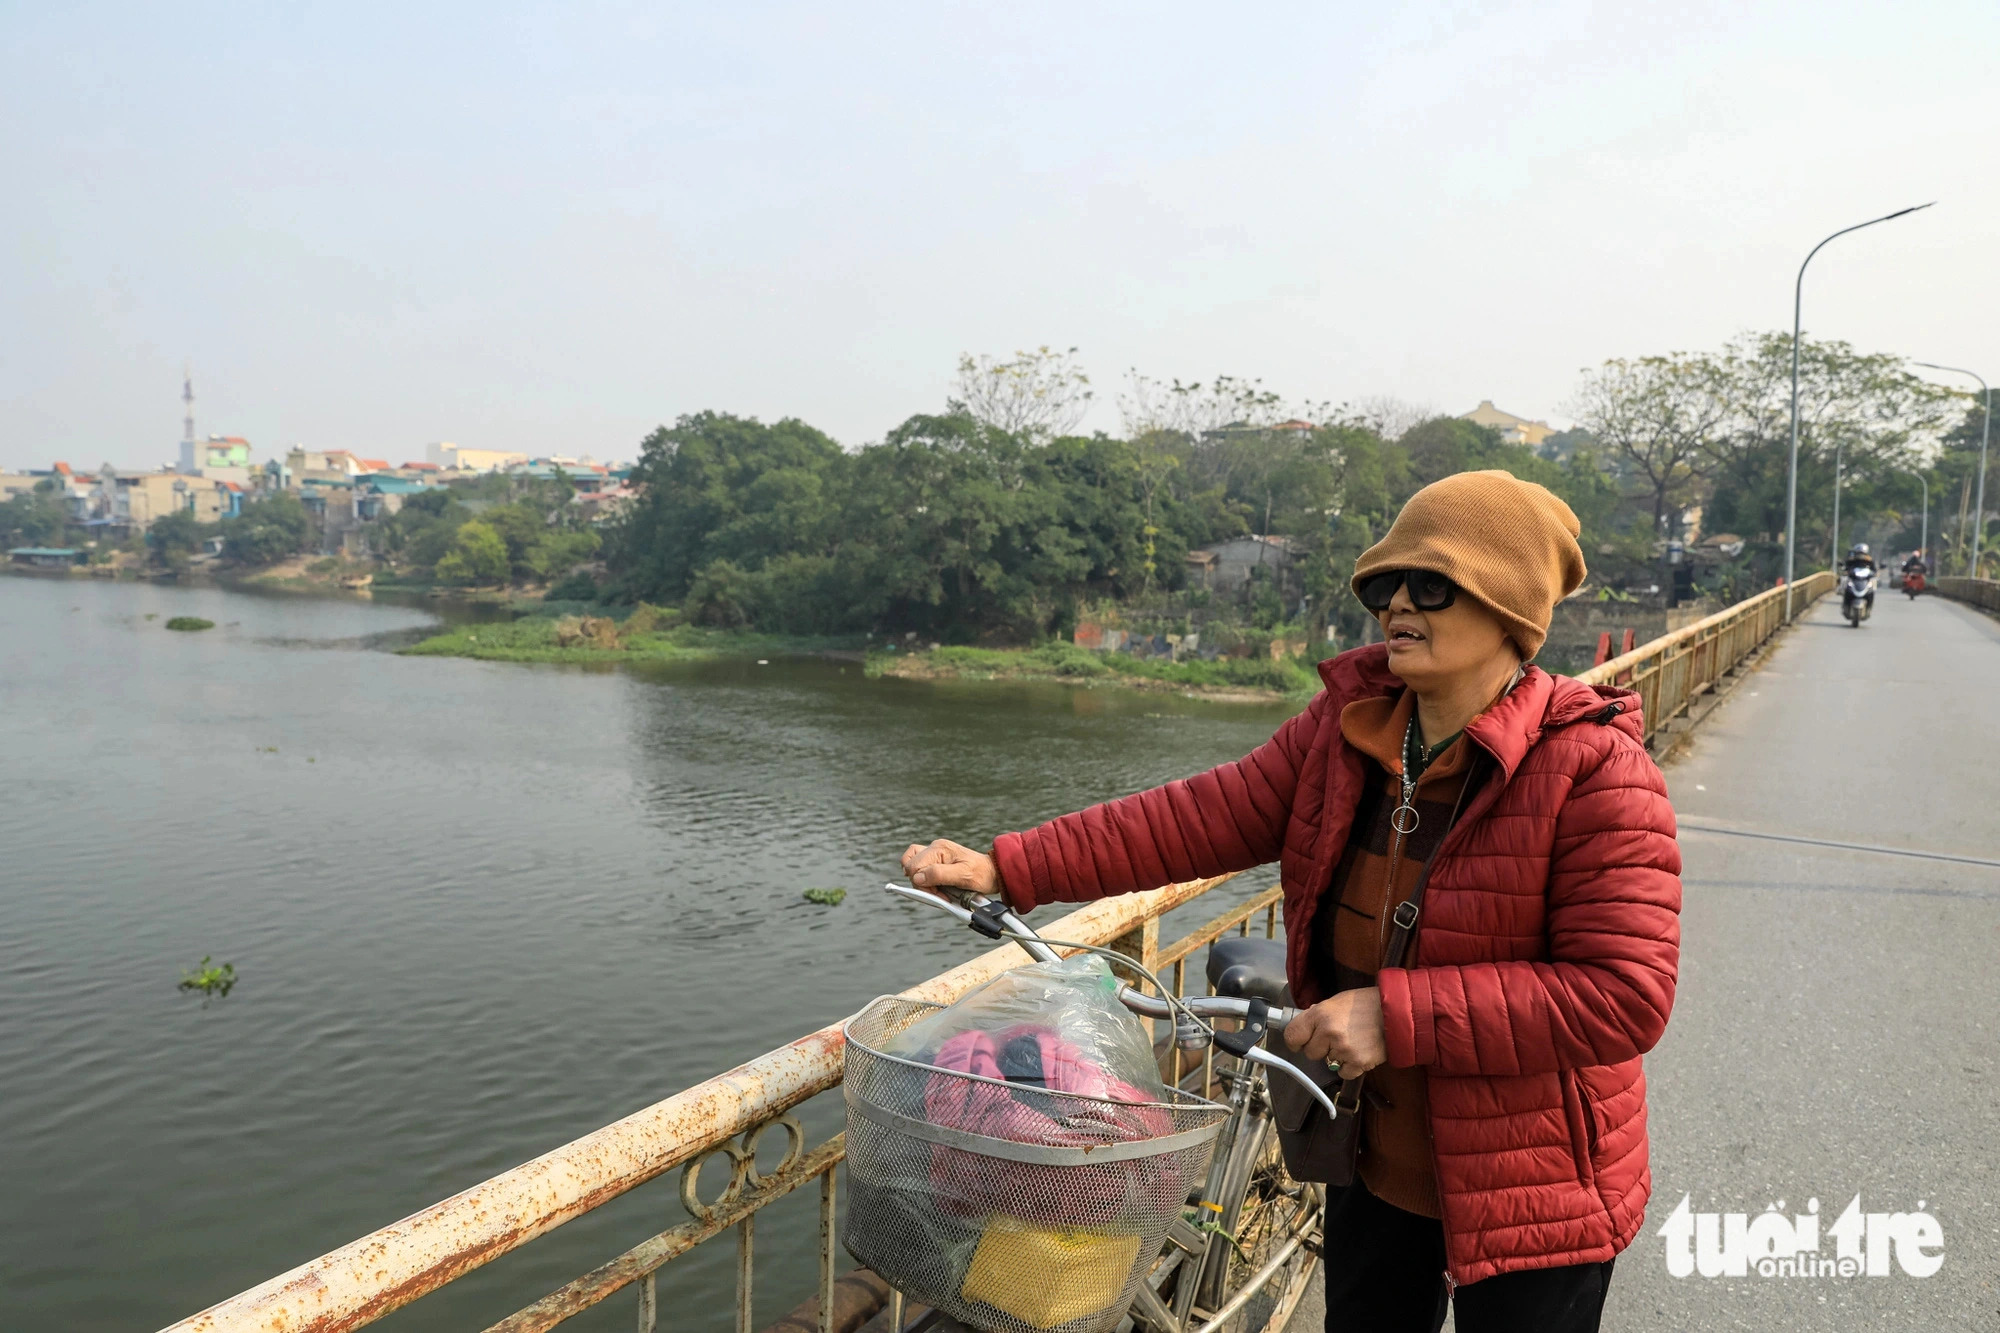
(1672, 671)
(726, 1117)
(1983, 593)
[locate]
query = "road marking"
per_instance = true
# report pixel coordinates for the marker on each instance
(1840, 846)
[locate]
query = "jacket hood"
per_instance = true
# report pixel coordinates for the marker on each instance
(1537, 704)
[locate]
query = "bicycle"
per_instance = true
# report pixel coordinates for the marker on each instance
(1241, 1252)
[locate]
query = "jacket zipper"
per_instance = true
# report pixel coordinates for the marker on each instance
(1430, 1136)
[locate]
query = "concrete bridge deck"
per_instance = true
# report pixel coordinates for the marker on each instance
(1839, 1011)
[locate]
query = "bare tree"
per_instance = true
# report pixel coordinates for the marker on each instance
(1391, 417)
(1038, 394)
(1196, 409)
(1662, 415)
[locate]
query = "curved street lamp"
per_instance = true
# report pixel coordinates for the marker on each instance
(1924, 542)
(1985, 430)
(1792, 477)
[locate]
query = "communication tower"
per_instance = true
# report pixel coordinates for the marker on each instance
(188, 463)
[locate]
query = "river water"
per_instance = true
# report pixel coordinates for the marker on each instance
(477, 910)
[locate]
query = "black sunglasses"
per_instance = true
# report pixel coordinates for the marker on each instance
(1429, 591)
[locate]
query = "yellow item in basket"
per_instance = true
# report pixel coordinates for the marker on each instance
(1048, 1277)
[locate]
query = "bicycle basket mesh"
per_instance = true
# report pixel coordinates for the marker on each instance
(1046, 1218)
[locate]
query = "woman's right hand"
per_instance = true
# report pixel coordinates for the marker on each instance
(944, 865)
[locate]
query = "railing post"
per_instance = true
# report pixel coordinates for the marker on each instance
(649, 1303)
(1141, 944)
(826, 1248)
(746, 1245)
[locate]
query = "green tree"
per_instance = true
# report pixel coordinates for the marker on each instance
(419, 534)
(720, 487)
(37, 518)
(477, 556)
(556, 553)
(270, 528)
(1446, 445)
(521, 529)
(172, 538)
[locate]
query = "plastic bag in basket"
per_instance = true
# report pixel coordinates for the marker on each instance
(1031, 1036)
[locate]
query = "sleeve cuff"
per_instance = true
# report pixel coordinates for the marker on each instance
(1017, 881)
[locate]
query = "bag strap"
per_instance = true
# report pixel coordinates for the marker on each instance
(1403, 921)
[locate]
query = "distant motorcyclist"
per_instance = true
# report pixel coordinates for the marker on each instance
(1857, 584)
(1914, 572)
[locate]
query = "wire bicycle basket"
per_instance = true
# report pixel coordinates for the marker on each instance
(1012, 1207)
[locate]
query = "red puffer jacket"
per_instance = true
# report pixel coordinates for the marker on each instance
(1545, 963)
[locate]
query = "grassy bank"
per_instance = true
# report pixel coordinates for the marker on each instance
(1245, 678)
(303, 573)
(540, 638)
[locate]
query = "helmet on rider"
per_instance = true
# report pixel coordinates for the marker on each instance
(1860, 548)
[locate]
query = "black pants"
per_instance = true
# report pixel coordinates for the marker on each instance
(1385, 1274)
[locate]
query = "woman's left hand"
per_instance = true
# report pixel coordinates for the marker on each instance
(1346, 1028)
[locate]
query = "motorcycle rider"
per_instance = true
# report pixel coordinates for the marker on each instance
(1915, 564)
(1858, 561)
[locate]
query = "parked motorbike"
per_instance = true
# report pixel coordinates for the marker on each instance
(1857, 595)
(1913, 583)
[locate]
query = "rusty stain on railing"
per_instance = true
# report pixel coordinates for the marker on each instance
(360, 1282)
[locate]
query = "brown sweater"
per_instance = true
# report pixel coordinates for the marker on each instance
(1377, 871)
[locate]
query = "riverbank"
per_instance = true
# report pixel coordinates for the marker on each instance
(322, 573)
(599, 639)
(651, 635)
(1227, 679)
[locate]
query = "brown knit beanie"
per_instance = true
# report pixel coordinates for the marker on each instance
(1507, 542)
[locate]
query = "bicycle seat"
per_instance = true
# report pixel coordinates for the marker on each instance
(1249, 969)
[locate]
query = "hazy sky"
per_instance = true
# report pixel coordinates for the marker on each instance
(552, 228)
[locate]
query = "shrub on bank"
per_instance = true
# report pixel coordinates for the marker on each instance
(1289, 675)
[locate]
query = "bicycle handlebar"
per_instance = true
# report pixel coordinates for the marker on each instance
(1147, 1006)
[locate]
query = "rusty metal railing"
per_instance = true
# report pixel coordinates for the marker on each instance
(1982, 593)
(1672, 671)
(723, 1117)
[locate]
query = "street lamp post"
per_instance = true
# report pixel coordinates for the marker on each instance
(1838, 445)
(1924, 542)
(1985, 430)
(1792, 476)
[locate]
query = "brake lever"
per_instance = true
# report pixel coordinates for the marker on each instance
(1247, 1043)
(1264, 1057)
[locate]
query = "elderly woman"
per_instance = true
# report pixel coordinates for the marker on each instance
(1481, 904)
